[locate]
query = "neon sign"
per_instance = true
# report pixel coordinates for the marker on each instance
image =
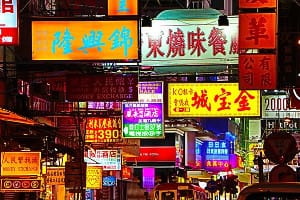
(142, 120)
(85, 40)
(100, 130)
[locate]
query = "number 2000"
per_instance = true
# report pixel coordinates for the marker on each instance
(272, 104)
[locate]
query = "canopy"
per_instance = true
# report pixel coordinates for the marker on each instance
(6, 115)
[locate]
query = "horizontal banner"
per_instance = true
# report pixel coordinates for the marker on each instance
(85, 40)
(212, 100)
(20, 185)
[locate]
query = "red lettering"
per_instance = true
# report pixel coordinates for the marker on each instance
(7, 6)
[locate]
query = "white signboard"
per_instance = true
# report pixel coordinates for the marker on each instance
(277, 107)
(9, 22)
(173, 42)
(151, 91)
(108, 159)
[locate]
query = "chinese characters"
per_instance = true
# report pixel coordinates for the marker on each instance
(196, 42)
(211, 99)
(119, 38)
(7, 6)
(142, 120)
(103, 130)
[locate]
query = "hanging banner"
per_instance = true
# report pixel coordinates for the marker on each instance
(257, 30)
(257, 72)
(9, 32)
(211, 100)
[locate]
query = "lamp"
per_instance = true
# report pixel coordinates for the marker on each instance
(146, 21)
(223, 20)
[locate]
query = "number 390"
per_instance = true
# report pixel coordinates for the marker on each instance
(108, 134)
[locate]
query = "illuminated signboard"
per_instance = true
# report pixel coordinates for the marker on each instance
(107, 105)
(155, 154)
(258, 4)
(263, 39)
(198, 159)
(122, 7)
(9, 33)
(257, 71)
(211, 100)
(216, 155)
(20, 185)
(85, 40)
(151, 91)
(148, 177)
(94, 177)
(108, 159)
(274, 124)
(20, 163)
(126, 172)
(55, 176)
(99, 130)
(109, 180)
(277, 107)
(143, 120)
(102, 87)
(176, 42)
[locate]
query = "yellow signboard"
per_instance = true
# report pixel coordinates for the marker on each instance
(212, 100)
(85, 40)
(55, 176)
(94, 177)
(20, 163)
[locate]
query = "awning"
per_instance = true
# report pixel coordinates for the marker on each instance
(6, 115)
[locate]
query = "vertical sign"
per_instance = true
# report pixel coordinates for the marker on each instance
(148, 177)
(9, 33)
(94, 177)
(257, 30)
(257, 71)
